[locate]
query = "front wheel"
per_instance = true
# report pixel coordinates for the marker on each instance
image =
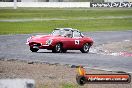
(64, 50)
(34, 49)
(57, 48)
(85, 48)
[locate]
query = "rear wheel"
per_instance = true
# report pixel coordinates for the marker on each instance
(34, 49)
(85, 48)
(57, 48)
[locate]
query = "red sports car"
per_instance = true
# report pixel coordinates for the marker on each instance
(61, 40)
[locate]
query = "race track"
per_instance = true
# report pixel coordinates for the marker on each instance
(14, 47)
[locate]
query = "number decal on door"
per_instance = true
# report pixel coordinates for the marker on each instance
(77, 42)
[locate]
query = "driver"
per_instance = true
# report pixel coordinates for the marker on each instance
(68, 34)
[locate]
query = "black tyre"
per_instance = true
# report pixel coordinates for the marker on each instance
(80, 80)
(57, 48)
(34, 49)
(85, 48)
(64, 50)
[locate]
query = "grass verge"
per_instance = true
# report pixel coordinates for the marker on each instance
(82, 19)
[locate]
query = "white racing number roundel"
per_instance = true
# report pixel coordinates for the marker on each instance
(76, 42)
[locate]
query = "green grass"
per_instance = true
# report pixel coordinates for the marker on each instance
(62, 13)
(62, 85)
(83, 19)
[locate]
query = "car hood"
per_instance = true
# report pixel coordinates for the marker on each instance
(41, 38)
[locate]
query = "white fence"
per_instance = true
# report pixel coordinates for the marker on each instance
(47, 4)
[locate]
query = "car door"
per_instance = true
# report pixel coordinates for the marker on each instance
(77, 39)
(73, 42)
(67, 40)
(68, 43)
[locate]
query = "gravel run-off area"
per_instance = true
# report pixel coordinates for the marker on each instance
(50, 75)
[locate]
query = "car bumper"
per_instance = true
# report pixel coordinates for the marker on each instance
(49, 47)
(45, 46)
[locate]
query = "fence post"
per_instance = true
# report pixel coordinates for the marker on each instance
(15, 4)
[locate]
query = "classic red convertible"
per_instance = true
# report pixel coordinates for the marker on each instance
(61, 40)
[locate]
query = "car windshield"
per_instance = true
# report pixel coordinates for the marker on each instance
(58, 32)
(62, 33)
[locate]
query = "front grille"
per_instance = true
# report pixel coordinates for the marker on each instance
(35, 44)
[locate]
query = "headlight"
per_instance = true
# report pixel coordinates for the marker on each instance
(28, 40)
(48, 42)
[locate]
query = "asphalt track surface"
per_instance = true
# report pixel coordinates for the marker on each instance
(14, 47)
